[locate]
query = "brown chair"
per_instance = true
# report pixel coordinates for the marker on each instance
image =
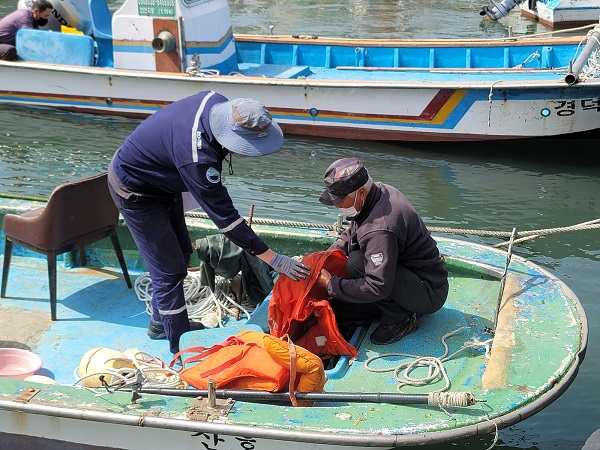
(77, 214)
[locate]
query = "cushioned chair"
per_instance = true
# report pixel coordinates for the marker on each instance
(77, 214)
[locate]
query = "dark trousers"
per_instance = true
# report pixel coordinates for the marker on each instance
(8, 52)
(158, 228)
(410, 294)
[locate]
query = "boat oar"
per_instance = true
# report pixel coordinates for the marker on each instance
(435, 398)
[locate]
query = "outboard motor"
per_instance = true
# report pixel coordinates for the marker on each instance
(499, 9)
(70, 13)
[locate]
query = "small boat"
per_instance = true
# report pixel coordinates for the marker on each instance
(557, 14)
(510, 339)
(145, 56)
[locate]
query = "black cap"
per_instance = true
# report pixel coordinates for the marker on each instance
(341, 178)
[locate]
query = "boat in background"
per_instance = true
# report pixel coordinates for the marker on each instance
(556, 14)
(150, 53)
(491, 339)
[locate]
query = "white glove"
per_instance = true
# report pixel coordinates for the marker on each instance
(289, 267)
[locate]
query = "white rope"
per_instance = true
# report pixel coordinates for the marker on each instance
(203, 305)
(435, 365)
(531, 234)
(155, 372)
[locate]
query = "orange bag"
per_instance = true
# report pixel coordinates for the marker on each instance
(256, 361)
(300, 310)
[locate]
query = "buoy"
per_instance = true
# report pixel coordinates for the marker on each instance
(102, 361)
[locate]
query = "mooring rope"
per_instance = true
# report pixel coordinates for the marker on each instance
(520, 236)
(23, 197)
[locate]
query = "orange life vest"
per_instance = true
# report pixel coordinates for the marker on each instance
(256, 361)
(300, 310)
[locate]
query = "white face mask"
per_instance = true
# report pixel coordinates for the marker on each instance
(351, 211)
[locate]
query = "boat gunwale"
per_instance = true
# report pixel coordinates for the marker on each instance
(313, 83)
(519, 41)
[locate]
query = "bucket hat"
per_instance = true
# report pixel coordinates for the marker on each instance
(244, 126)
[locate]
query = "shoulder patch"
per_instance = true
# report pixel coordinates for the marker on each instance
(377, 258)
(213, 175)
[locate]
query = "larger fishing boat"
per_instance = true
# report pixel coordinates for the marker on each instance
(150, 53)
(508, 342)
(553, 13)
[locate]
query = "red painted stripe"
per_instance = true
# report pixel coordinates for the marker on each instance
(440, 99)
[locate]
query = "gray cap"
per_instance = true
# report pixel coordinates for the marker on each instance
(244, 126)
(341, 178)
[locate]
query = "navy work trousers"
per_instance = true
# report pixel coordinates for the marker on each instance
(159, 230)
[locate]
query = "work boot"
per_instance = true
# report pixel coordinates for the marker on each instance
(157, 331)
(387, 333)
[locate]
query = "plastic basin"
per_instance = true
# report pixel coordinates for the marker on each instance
(17, 363)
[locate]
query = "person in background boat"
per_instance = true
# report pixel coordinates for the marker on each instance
(394, 266)
(34, 17)
(181, 149)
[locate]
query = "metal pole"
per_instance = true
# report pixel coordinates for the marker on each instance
(592, 44)
(284, 397)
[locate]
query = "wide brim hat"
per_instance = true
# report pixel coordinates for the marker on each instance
(244, 126)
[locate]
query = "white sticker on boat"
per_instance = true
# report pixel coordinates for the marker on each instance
(213, 175)
(377, 258)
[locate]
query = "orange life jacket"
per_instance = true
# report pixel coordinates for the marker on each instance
(300, 310)
(256, 361)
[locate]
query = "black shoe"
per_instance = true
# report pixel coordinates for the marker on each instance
(387, 333)
(157, 331)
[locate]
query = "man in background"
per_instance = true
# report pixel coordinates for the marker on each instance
(34, 17)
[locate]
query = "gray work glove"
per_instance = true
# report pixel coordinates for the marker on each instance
(289, 267)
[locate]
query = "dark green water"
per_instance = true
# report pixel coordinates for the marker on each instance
(533, 184)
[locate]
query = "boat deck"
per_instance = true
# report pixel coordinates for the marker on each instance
(374, 74)
(536, 351)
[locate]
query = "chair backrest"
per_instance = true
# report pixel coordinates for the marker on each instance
(77, 209)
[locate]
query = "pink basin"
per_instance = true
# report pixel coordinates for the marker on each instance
(17, 363)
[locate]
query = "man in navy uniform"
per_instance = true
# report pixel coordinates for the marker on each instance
(180, 149)
(394, 266)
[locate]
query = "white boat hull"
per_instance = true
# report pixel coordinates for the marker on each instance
(563, 13)
(393, 110)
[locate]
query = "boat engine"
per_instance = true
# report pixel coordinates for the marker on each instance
(499, 9)
(151, 35)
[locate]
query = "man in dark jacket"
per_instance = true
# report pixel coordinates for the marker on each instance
(394, 266)
(180, 149)
(34, 17)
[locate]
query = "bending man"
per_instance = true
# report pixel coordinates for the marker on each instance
(181, 149)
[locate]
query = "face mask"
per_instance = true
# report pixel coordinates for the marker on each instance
(351, 211)
(41, 22)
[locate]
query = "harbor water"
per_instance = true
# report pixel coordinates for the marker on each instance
(525, 184)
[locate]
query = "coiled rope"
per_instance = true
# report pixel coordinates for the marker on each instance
(435, 365)
(155, 373)
(203, 304)
(435, 372)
